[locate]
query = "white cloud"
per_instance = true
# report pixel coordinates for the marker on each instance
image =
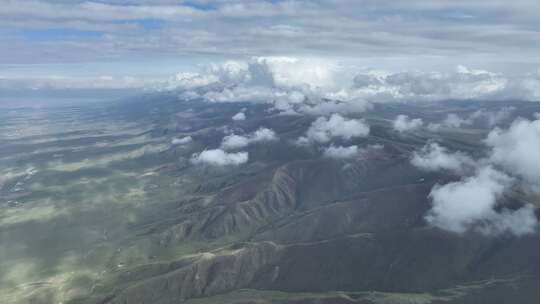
(181, 141)
(218, 157)
(462, 84)
(433, 157)
(470, 203)
(403, 123)
(428, 86)
(239, 116)
(292, 85)
(323, 129)
(321, 87)
(263, 134)
(233, 141)
(517, 150)
(340, 151)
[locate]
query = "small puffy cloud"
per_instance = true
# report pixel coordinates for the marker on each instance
(403, 123)
(323, 129)
(433, 157)
(263, 134)
(239, 116)
(517, 150)
(233, 141)
(182, 141)
(458, 205)
(340, 152)
(284, 81)
(470, 203)
(218, 157)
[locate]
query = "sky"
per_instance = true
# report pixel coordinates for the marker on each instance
(143, 43)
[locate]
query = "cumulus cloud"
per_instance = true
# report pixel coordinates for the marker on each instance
(340, 151)
(470, 204)
(323, 129)
(239, 116)
(458, 205)
(182, 141)
(233, 141)
(461, 84)
(403, 123)
(263, 134)
(219, 157)
(320, 87)
(517, 150)
(285, 82)
(433, 157)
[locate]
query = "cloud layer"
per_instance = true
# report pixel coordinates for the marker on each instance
(103, 30)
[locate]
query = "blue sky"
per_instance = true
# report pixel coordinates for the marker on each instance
(150, 40)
